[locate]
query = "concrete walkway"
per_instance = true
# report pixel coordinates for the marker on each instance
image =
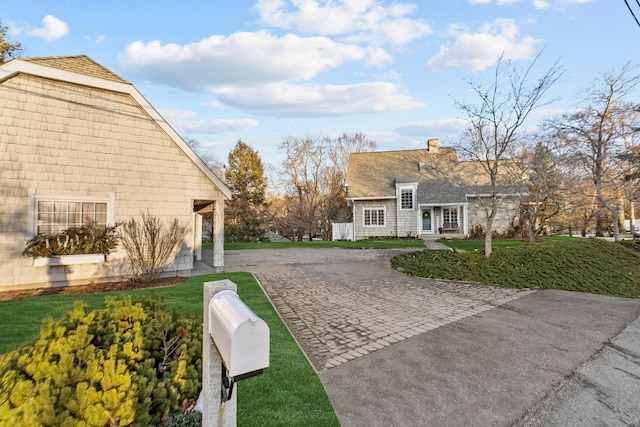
(434, 244)
(395, 350)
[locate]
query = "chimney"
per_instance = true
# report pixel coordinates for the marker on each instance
(432, 145)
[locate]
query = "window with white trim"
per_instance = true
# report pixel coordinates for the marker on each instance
(406, 198)
(54, 216)
(450, 217)
(373, 217)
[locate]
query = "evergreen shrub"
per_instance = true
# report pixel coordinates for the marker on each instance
(127, 364)
(88, 238)
(634, 244)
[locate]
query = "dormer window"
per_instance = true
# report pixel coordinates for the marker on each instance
(406, 198)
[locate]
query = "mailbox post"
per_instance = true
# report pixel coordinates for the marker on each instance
(235, 347)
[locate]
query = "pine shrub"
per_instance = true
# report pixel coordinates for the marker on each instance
(127, 364)
(88, 238)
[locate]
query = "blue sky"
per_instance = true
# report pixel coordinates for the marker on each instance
(265, 70)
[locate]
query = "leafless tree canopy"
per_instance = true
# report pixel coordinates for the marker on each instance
(601, 140)
(312, 176)
(495, 122)
(151, 245)
(546, 191)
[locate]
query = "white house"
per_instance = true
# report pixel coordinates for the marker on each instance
(77, 143)
(422, 193)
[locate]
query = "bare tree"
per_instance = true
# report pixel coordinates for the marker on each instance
(313, 174)
(216, 166)
(580, 202)
(334, 205)
(301, 174)
(599, 136)
(495, 125)
(545, 198)
(151, 245)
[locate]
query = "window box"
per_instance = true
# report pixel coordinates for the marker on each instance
(68, 260)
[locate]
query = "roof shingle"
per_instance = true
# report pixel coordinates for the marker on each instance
(80, 64)
(440, 176)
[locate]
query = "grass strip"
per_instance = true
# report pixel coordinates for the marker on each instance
(359, 244)
(477, 244)
(582, 265)
(289, 393)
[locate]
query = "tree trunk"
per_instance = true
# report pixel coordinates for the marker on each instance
(533, 220)
(599, 226)
(616, 228)
(620, 219)
(488, 235)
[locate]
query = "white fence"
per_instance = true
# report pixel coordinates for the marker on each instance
(342, 231)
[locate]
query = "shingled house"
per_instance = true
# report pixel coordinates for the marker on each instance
(422, 193)
(80, 143)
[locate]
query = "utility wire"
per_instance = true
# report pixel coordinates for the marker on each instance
(631, 10)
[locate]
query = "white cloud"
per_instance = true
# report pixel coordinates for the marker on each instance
(357, 20)
(52, 29)
(262, 73)
(479, 50)
(538, 4)
(240, 59)
(377, 57)
(432, 128)
(13, 28)
(497, 2)
(172, 115)
(96, 40)
(288, 100)
(541, 4)
(180, 119)
(213, 104)
(216, 126)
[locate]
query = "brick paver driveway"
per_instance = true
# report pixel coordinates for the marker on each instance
(341, 304)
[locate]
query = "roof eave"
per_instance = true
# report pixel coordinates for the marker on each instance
(371, 198)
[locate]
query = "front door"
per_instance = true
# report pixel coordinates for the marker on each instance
(426, 219)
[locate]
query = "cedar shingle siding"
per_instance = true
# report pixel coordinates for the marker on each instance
(66, 140)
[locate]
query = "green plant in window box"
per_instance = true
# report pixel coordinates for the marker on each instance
(88, 238)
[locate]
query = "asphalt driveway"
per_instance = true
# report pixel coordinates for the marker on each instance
(395, 350)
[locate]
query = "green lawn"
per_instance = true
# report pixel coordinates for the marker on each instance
(583, 265)
(478, 244)
(360, 244)
(289, 393)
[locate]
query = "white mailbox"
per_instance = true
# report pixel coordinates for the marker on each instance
(241, 337)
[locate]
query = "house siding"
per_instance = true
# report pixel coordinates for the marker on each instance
(506, 217)
(407, 222)
(69, 140)
(363, 232)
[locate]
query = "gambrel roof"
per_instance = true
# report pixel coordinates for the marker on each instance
(82, 70)
(439, 175)
(80, 64)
